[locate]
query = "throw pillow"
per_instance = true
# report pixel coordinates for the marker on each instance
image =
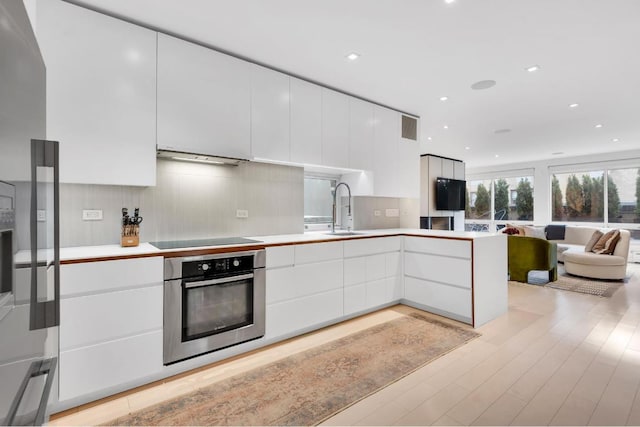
(593, 240)
(555, 232)
(607, 243)
(511, 231)
(537, 232)
(517, 227)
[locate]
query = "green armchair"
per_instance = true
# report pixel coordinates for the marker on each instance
(531, 253)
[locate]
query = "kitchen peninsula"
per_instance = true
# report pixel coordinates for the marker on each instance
(112, 297)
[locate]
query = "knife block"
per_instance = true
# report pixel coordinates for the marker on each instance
(130, 236)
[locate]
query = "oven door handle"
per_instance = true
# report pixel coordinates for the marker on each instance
(218, 281)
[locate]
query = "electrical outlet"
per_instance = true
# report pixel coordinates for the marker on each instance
(92, 214)
(42, 215)
(377, 212)
(242, 213)
(392, 212)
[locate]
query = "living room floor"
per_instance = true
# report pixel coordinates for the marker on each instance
(557, 357)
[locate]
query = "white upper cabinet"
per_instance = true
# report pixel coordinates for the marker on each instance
(269, 114)
(335, 129)
(306, 122)
(386, 165)
(204, 100)
(409, 169)
(101, 94)
(361, 121)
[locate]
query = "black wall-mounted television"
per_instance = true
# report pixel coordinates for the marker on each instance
(450, 194)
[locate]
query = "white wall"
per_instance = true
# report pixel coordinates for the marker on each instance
(542, 177)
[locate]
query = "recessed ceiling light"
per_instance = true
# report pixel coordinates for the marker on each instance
(598, 126)
(502, 131)
(353, 56)
(615, 140)
(483, 84)
(429, 138)
(574, 105)
(445, 127)
(449, 1)
(497, 155)
(533, 68)
(467, 148)
(444, 98)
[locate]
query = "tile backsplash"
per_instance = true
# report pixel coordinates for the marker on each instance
(189, 201)
(370, 213)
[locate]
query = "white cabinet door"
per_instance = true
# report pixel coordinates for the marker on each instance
(269, 114)
(409, 169)
(204, 100)
(99, 367)
(361, 122)
(101, 95)
(335, 129)
(386, 165)
(306, 122)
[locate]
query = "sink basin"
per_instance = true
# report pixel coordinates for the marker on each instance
(344, 233)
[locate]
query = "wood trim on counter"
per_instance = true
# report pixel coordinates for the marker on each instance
(227, 249)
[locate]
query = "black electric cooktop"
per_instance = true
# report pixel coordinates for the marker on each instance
(179, 244)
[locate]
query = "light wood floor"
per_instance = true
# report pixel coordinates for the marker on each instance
(557, 357)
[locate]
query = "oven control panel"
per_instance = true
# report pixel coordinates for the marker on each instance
(217, 266)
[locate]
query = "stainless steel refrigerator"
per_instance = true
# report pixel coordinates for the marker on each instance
(29, 236)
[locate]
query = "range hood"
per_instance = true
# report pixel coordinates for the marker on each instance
(198, 158)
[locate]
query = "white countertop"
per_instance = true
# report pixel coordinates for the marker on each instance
(146, 249)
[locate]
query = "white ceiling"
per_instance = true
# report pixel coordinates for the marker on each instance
(415, 51)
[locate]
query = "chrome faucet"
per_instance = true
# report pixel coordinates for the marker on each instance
(335, 193)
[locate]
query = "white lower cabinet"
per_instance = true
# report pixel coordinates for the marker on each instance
(439, 298)
(307, 291)
(110, 364)
(464, 279)
(372, 273)
(288, 317)
(110, 326)
(438, 276)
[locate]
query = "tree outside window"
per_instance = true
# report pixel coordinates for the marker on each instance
(524, 200)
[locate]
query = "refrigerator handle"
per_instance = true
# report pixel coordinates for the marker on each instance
(45, 314)
(38, 368)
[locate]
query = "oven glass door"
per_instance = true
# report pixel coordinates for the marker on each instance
(215, 306)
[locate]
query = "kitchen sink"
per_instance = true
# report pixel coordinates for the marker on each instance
(344, 233)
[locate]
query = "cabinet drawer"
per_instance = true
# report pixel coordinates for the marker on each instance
(453, 271)
(444, 247)
(97, 318)
(317, 252)
(443, 298)
(291, 316)
(280, 256)
(90, 369)
(110, 275)
(355, 270)
(302, 280)
(355, 298)
(360, 247)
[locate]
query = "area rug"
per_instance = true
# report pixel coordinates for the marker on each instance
(601, 288)
(583, 285)
(311, 386)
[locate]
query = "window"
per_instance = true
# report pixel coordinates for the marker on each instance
(513, 199)
(318, 200)
(479, 200)
(623, 192)
(578, 197)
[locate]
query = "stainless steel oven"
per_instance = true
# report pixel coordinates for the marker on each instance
(212, 302)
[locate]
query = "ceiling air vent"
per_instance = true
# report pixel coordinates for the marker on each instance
(409, 128)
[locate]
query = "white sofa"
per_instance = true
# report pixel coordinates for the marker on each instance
(587, 264)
